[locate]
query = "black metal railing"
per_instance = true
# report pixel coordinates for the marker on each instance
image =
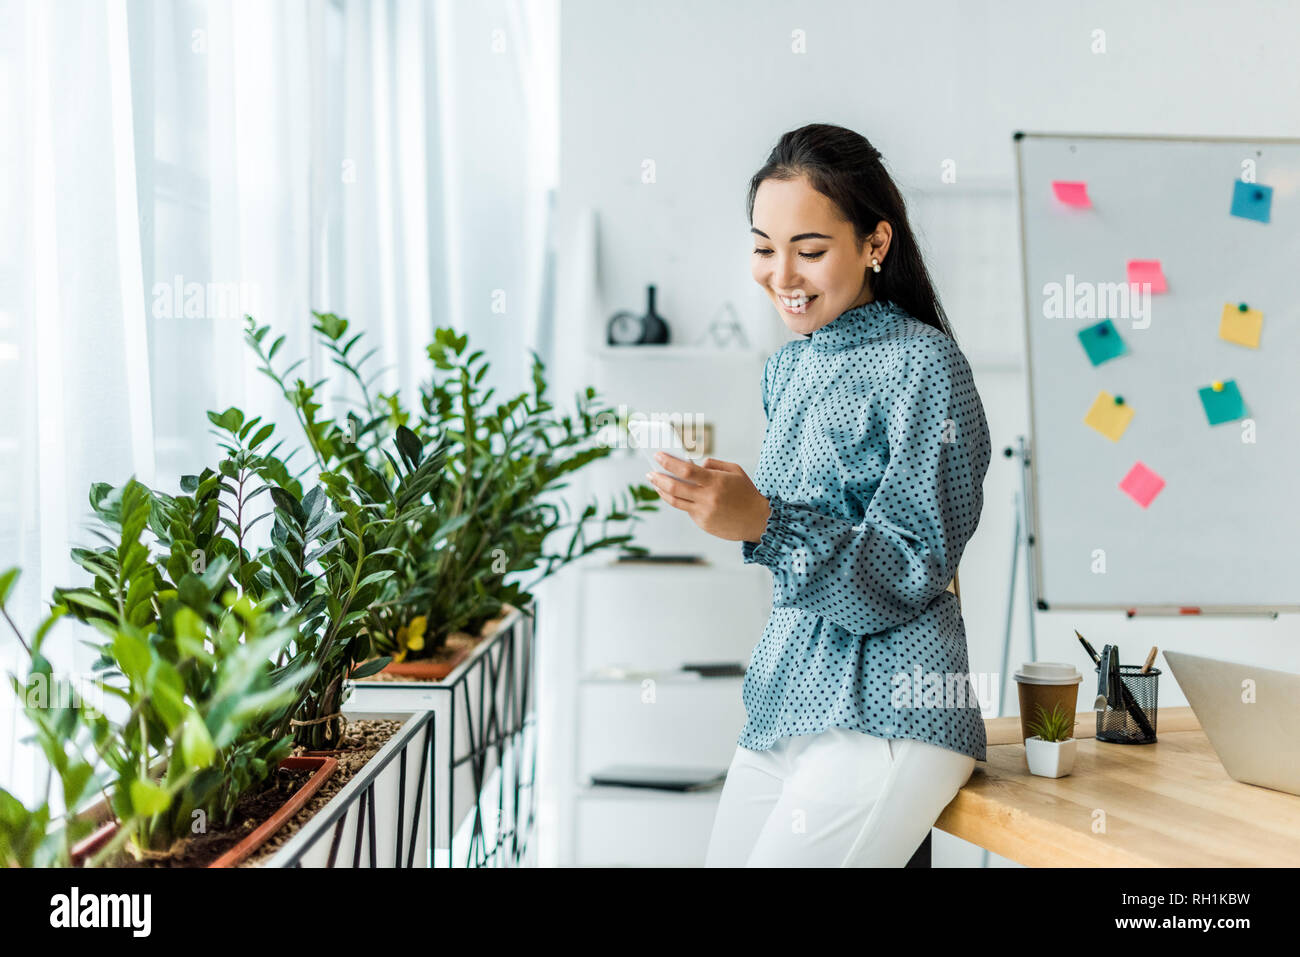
(352, 810)
(501, 741)
(483, 781)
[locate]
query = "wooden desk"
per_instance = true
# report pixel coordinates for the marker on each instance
(1168, 804)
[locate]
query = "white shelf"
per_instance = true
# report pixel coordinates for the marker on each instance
(613, 792)
(633, 677)
(696, 568)
(670, 351)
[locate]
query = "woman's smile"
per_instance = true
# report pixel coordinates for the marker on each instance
(796, 305)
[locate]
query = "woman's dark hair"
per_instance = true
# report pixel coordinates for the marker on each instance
(841, 165)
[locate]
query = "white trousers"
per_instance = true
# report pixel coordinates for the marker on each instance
(839, 798)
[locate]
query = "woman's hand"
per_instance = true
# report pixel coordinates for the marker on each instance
(723, 501)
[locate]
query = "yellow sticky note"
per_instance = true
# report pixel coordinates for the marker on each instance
(1109, 417)
(1241, 326)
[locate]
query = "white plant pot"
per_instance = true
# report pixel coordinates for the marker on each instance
(474, 707)
(1050, 759)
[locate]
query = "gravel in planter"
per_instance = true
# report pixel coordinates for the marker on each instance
(362, 740)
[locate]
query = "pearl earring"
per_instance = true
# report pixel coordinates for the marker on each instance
(875, 264)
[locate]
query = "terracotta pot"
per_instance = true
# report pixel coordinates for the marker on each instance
(88, 846)
(323, 767)
(463, 644)
(428, 670)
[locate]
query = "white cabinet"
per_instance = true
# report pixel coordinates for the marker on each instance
(661, 721)
(638, 827)
(646, 621)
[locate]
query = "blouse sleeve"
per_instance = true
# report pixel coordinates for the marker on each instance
(885, 570)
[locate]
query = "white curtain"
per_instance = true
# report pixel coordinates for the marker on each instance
(173, 164)
(74, 372)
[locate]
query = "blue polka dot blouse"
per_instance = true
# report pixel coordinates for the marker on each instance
(873, 464)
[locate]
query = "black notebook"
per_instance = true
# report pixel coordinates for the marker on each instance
(718, 669)
(661, 560)
(662, 777)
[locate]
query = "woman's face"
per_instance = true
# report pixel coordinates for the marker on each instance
(806, 256)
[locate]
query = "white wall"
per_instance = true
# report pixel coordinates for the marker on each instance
(705, 89)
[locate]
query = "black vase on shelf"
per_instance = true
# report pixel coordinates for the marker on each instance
(656, 328)
(628, 329)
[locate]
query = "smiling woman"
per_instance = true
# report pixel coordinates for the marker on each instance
(869, 484)
(832, 233)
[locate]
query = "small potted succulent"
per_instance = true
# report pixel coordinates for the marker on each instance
(1051, 749)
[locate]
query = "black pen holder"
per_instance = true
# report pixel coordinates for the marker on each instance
(1117, 723)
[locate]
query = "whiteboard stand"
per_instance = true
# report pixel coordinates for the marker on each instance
(1023, 534)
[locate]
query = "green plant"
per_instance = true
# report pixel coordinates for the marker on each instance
(361, 578)
(1056, 726)
(192, 662)
(503, 467)
(62, 729)
(211, 521)
(326, 560)
(221, 653)
(209, 707)
(290, 573)
(459, 561)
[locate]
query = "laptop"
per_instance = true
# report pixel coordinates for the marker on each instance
(1258, 742)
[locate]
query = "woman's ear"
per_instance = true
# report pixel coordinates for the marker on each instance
(879, 241)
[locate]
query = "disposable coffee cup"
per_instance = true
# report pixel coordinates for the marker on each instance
(1046, 684)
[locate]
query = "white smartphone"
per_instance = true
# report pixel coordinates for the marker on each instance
(657, 435)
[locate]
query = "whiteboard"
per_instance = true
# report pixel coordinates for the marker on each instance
(1222, 534)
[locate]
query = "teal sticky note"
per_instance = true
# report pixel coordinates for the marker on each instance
(1224, 405)
(1101, 342)
(1251, 200)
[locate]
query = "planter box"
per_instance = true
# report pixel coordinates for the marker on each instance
(461, 769)
(322, 769)
(383, 816)
(484, 745)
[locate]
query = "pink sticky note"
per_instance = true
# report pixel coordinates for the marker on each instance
(1142, 484)
(1072, 194)
(1147, 270)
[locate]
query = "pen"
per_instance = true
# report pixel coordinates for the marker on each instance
(1096, 658)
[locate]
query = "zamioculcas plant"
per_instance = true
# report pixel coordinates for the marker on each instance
(340, 556)
(372, 528)
(193, 664)
(291, 572)
(62, 725)
(490, 515)
(205, 537)
(507, 463)
(209, 708)
(334, 555)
